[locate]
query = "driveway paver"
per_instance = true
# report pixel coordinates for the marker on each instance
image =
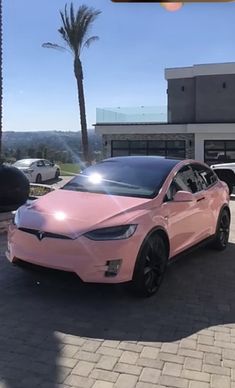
(57, 333)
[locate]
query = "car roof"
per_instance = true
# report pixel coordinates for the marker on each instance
(29, 160)
(150, 161)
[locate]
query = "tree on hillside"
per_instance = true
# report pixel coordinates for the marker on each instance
(75, 32)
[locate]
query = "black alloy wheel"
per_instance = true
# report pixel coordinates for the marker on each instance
(223, 229)
(150, 266)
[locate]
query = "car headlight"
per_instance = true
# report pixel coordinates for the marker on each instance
(113, 233)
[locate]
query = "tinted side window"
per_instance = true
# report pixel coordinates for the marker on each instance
(40, 163)
(172, 191)
(205, 176)
(184, 180)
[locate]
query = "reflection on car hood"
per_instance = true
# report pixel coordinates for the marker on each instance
(74, 213)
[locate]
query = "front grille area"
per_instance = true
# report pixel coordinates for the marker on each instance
(40, 234)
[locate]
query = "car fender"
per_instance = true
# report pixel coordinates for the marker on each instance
(152, 231)
(156, 229)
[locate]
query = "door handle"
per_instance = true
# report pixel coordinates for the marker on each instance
(200, 199)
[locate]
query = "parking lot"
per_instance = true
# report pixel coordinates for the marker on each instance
(58, 332)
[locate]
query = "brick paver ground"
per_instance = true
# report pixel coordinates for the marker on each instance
(56, 332)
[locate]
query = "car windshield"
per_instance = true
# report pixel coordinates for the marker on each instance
(23, 163)
(132, 177)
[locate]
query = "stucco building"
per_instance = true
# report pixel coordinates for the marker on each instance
(199, 121)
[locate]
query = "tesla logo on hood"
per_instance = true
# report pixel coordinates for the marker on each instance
(40, 235)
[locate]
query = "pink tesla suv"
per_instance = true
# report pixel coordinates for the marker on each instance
(123, 220)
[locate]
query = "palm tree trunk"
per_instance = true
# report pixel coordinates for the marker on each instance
(81, 100)
(0, 81)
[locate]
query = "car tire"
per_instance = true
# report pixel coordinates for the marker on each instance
(222, 232)
(150, 266)
(39, 178)
(57, 174)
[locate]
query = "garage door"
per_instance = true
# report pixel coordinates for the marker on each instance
(219, 151)
(167, 148)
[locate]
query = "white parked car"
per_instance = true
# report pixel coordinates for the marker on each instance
(38, 170)
(226, 173)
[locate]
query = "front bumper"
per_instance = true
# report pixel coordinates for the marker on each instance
(87, 258)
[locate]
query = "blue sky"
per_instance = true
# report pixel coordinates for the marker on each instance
(124, 68)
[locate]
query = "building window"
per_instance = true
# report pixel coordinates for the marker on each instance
(168, 148)
(219, 151)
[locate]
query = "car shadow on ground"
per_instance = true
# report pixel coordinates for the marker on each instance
(38, 307)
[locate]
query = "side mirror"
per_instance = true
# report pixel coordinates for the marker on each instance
(52, 163)
(183, 196)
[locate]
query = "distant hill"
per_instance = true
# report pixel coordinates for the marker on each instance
(57, 145)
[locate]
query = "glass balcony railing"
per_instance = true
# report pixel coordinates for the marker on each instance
(142, 114)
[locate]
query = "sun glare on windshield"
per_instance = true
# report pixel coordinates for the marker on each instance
(95, 178)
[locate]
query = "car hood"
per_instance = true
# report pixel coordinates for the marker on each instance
(73, 213)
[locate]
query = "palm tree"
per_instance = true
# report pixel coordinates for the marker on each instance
(75, 32)
(1, 81)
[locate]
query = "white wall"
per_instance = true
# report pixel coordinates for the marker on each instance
(216, 131)
(199, 70)
(220, 131)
